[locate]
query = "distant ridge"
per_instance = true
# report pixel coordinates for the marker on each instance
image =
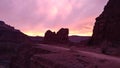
(75, 38)
(10, 34)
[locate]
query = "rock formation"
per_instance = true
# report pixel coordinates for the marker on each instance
(50, 36)
(15, 45)
(60, 37)
(9, 34)
(107, 25)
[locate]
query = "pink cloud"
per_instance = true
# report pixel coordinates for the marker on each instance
(36, 16)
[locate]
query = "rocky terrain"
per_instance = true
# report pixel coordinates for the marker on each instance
(106, 33)
(9, 34)
(107, 25)
(17, 50)
(12, 43)
(60, 57)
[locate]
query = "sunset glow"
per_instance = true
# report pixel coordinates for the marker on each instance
(34, 17)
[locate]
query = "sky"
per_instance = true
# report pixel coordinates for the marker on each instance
(35, 17)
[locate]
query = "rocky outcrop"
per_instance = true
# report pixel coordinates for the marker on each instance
(50, 36)
(15, 45)
(60, 37)
(107, 25)
(4, 26)
(9, 34)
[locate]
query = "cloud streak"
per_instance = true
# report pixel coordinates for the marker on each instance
(34, 17)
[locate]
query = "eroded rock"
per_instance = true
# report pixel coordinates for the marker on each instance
(107, 25)
(60, 37)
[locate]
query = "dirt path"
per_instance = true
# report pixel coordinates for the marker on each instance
(89, 54)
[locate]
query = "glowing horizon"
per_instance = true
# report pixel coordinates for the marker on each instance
(70, 34)
(34, 17)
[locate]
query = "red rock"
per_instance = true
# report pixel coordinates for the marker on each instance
(107, 25)
(9, 34)
(60, 37)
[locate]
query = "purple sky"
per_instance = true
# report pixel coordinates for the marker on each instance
(34, 17)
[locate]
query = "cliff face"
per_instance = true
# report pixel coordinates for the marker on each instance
(107, 25)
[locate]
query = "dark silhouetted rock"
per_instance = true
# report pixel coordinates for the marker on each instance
(2, 22)
(9, 34)
(49, 36)
(107, 25)
(15, 45)
(60, 37)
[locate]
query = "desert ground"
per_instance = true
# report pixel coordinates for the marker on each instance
(62, 57)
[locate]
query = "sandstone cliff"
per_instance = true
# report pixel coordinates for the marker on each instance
(107, 25)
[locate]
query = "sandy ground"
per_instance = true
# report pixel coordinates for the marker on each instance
(73, 58)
